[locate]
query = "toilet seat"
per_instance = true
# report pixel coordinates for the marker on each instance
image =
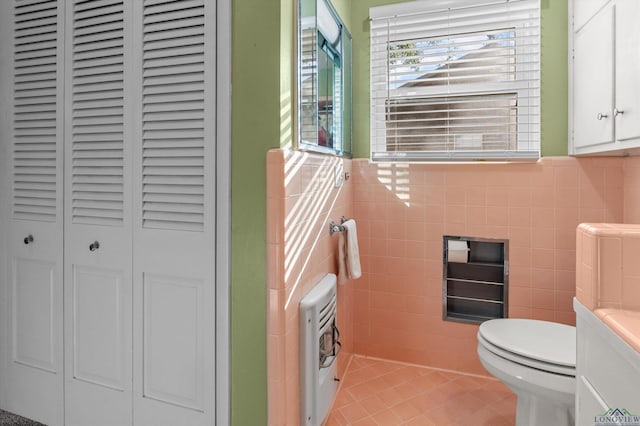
(536, 344)
(527, 362)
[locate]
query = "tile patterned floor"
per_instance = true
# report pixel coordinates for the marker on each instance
(385, 393)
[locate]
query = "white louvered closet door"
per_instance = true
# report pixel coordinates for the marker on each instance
(113, 187)
(174, 225)
(98, 241)
(33, 372)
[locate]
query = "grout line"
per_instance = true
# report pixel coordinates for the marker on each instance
(497, 407)
(444, 370)
(344, 375)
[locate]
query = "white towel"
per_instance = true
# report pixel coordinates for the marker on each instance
(348, 253)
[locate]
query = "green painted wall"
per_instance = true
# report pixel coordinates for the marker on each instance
(255, 129)
(343, 7)
(360, 34)
(554, 57)
(554, 74)
(263, 75)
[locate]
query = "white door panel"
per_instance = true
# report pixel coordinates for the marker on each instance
(34, 382)
(98, 326)
(98, 241)
(32, 376)
(173, 338)
(627, 70)
(99, 333)
(174, 202)
(34, 313)
(174, 383)
(583, 10)
(593, 80)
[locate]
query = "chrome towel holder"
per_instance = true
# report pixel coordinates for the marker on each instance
(334, 227)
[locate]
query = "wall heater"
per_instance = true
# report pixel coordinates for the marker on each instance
(319, 347)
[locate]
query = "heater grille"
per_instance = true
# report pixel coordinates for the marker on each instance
(319, 347)
(327, 313)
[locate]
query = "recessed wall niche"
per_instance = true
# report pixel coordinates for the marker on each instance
(475, 279)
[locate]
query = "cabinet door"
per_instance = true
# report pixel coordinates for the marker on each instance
(174, 226)
(588, 402)
(593, 82)
(32, 377)
(627, 70)
(583, 10)
(98, 253)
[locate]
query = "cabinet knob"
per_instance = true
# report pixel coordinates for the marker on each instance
(617, 112)
(28, 239)
(601, 116)
(94, 246)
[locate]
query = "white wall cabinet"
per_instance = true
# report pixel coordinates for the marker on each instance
(110, 288)
(584, 10)
(604, 89)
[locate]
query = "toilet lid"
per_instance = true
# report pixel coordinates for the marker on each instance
(544, 341)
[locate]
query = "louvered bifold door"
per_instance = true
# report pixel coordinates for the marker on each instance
(32, 377)
(98, 243)
(174, 297)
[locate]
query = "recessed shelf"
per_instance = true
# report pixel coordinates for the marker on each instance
(474, 319)
(490, 264)
(475, 281)
(476, 290)
(475, 300)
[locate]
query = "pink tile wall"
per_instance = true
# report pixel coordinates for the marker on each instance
(403, 211)
(394, 311)
(301, 202)
(631, 170)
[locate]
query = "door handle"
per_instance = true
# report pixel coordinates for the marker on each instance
(28, 239)
(94, 246)
(600, 116)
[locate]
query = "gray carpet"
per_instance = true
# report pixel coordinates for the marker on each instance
(10, 419)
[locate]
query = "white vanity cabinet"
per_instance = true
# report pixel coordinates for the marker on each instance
(608, 369)
(604, 88)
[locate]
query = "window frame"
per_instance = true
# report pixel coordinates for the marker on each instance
(308, 111)
(526, 83)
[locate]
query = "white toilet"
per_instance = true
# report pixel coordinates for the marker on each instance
(537, 361)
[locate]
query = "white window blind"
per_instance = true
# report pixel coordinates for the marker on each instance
(455, 80)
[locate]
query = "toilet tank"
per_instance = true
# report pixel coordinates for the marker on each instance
(319, 347)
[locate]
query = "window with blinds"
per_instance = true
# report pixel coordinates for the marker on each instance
(455, 80)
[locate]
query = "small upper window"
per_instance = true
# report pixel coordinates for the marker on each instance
(455, 80)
